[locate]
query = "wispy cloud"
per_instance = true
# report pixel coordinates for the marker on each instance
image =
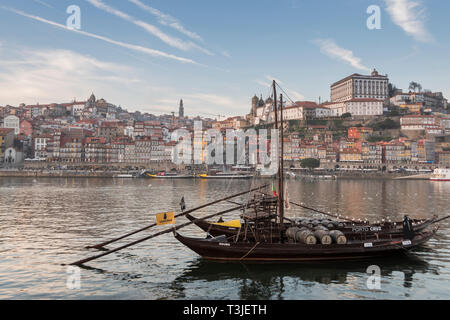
(41, 76)
(149, 28)
(43, 3)
(271, 78)
(200, 103)
(167, 20)
(331, 49)
(226, 54)
(145, 50)
(410, 16)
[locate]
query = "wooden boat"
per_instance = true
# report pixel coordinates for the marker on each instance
(352, 230)
(267, 236)
(224, 250)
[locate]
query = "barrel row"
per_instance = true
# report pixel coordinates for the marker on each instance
(321, 236)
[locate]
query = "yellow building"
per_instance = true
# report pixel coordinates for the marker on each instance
(350, 155)
(412, 107)
(6, 140)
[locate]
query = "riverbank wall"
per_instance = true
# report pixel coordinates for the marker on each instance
(116, 174)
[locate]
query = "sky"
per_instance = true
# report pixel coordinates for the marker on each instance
(146, 55)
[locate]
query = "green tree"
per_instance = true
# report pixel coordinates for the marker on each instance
(391, 88)
(310, 163)
(346, 115)
(414, 85)
(386, 124)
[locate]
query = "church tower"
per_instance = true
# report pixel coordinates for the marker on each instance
(181, 110)
(255, 101)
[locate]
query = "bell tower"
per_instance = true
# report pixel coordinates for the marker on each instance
(181, 110)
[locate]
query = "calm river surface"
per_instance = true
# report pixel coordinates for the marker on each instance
(45, 222)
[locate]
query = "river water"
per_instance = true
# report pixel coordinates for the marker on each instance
(46, 222)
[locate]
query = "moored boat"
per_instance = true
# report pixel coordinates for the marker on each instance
(440, 175)
(266, 235)
(225, 175)
(224, 250)
(167, 175)
(351, 230)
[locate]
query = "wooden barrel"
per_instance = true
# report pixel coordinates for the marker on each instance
(323, 236)
(330, 225)
(320, 227)
(338, 237)
(292, 233)
(315, 222)
(335, 223)
(307, 237)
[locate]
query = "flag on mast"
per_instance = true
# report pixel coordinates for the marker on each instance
(287, 205)
(182, 204)
(274, 191)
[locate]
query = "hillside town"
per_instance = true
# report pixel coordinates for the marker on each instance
(367, 123)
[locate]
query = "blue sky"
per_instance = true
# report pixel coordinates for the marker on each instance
(147, 54)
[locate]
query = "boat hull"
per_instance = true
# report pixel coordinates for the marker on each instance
(440, 175)
(298, 252)
(154, 176)
(222, 177)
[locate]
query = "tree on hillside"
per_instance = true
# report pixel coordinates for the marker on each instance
(310, 163)
(346, 115)
(415, 85)
(386, 124)
(391, 88)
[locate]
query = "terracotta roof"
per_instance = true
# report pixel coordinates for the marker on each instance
(5, 130)
(357, 75)
(364, 100)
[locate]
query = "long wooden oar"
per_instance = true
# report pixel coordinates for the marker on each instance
(101, 245)
(80, 262)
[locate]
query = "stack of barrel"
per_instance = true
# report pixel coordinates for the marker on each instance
(317, 231)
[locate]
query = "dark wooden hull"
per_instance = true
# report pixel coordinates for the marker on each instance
(298, 252)
(218, 230)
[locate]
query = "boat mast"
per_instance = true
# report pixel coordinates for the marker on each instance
(281, 175)
(280, 163)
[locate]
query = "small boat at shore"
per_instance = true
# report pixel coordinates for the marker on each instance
(124, 176)
(167, 175)
(225, 175)
(440, 175)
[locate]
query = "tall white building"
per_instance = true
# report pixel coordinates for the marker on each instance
(12, 122)
(359, 95)
(357, 86)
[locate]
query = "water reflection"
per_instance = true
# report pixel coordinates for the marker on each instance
(47, 221)
(267, 281)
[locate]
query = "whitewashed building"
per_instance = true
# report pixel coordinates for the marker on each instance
(357, 86)
(12, 122)
(356, 107)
